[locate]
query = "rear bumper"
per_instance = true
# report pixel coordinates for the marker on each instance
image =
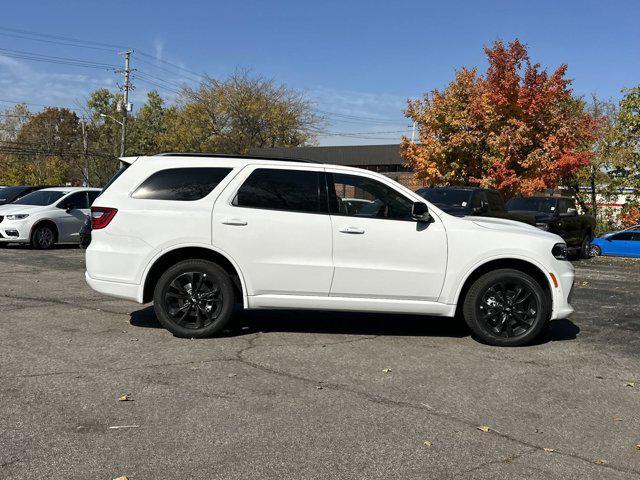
(127, 291)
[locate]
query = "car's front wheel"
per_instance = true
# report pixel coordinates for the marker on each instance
(194, 299)
(585, 247)
(596, 251)
(506, 308)
(43, 237)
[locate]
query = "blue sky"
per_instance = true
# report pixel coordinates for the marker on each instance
(361, 59)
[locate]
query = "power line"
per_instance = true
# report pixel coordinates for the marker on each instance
(38, 57)
(63, 38)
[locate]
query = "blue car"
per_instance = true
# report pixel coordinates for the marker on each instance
(625, 243)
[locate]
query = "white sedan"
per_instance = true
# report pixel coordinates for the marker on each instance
(46, 217)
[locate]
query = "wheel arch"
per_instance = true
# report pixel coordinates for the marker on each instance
(49, 222)
(525, 266)
(177, 254)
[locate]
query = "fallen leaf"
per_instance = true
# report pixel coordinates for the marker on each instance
(427, 443)
(600, 462)
(630, 384)
(231, 375)
(319, 387)
(548, 449)
(121, 478)
(483, 428)
(637, 446)
(617, 419)
(599, 377)
(386, 370)
(125, 397)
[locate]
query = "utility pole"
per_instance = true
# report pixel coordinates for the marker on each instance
(413, 131)
(126, 108)
(85, 151)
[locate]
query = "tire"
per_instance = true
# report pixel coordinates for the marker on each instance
(189, 313)
(498, 316)
(596, 251)
(585, 247)
(43, 237)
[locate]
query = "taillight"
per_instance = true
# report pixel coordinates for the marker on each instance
(101, 217)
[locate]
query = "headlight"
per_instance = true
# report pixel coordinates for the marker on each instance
(542, 226)
(20, 216)
(559, 251)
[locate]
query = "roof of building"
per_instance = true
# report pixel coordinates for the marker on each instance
(351, 155)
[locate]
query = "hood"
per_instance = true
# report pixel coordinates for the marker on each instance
(503, 224)
(12, 209)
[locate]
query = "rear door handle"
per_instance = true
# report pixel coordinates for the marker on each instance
(238, 222)
(352, 230)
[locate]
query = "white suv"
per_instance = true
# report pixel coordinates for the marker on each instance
(46, 217)
(198, 233)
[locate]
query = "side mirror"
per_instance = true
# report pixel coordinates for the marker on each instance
(68, 207)
(572, 212)
(420, 212)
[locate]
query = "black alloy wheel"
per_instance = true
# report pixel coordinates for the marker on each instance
(585, 247)
(506, 308)
(194, 299)
(43, 238)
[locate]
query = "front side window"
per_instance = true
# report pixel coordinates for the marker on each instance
(182, 184)
(40, 198)
(378, 200)
(74, 202)
(277, 189)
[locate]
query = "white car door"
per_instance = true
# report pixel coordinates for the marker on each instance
(70, 215)
(379, 250)
(273, 221)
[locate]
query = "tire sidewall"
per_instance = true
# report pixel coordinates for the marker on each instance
(471, 306)
(34, 238)
(226, 288)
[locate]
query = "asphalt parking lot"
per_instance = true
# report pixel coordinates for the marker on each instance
(310, 394)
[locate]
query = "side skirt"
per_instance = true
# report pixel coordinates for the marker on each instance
(351, 304)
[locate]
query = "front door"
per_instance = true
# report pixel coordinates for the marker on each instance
(71, 214)
(274, 222)
(379, 250)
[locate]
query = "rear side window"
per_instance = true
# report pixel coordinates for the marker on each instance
(276, 189)
(183, 184)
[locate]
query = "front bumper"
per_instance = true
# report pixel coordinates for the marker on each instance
(14, 231)
(565, 274)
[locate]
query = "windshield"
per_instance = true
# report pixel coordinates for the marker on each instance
(7, 194)
(40, 198)
(534, 204)
(453, 201)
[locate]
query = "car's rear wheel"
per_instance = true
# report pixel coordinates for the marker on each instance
(43, 237)
(506, 308)
(194, 299)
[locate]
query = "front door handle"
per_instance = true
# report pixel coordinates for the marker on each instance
(352, 230)
(238, 222)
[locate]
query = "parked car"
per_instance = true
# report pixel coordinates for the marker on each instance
(463, 201)
(195, 234)
(11, 194)
(624, 243)
(559, 215)
(46, 217)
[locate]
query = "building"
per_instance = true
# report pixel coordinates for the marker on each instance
(383, 159)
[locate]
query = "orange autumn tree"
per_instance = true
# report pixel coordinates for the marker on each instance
(516, 128)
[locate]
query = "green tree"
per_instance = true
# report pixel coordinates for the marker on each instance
(148, 127)
(237, 114)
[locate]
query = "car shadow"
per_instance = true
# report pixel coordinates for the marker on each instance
(246, 322)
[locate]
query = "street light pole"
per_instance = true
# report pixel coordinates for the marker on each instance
(126, 107)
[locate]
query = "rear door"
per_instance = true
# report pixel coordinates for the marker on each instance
(273, 221)
(380, 251)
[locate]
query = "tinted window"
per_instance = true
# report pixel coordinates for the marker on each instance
(76, 201)
(533, 204)
(8, 194)
(293, 190)
(184, 184)
(623, 236)
(381, 201)
(636, 237)
(41, 198)
(93, 196)
(451, 200)
(496, 204)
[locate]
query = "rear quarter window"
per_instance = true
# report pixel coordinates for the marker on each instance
(181, 184)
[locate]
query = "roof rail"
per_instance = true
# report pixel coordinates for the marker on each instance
(228, 155)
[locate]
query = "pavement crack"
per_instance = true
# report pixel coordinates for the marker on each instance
(57, 301)
(430, 411)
